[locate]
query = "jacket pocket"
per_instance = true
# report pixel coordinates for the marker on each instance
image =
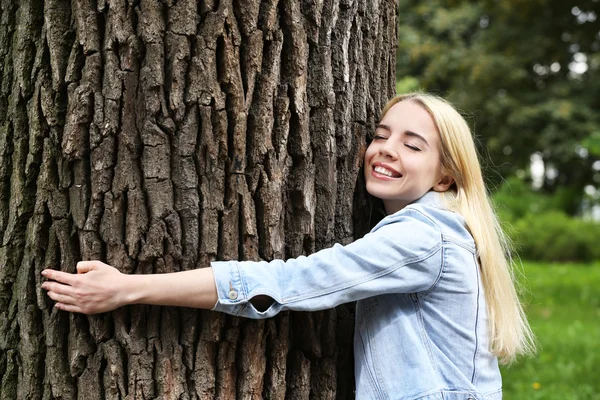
(365, 307)
(369, 365)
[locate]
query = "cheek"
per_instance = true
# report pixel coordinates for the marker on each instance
(434, 170)
(424, 167)
(368, 156)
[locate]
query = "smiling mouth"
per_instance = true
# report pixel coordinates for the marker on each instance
(384, 171)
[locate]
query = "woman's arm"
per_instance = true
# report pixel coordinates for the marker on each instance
(402, 256)
(98, 287)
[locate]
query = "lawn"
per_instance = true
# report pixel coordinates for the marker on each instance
(563, 306)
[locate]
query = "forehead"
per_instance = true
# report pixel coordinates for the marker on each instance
(408, 115)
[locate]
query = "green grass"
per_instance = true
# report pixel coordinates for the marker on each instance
(563, 306)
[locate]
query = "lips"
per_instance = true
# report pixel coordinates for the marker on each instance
(385, 170)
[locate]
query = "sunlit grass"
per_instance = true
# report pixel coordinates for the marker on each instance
(564, 311)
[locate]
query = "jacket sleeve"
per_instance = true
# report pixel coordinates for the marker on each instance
(403, 256)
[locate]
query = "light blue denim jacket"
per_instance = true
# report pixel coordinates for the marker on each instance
(421, 321)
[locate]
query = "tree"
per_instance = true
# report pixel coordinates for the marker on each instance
(527, 72)
(159, 136)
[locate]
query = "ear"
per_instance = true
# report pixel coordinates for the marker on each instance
(443, 184)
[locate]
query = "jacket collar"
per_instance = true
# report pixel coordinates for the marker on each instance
(432, 199)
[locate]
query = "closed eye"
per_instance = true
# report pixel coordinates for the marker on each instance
(410, 146)
(379, 137)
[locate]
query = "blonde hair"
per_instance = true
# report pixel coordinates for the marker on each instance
(510, 333)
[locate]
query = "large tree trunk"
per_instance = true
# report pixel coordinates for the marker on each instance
(159, 136)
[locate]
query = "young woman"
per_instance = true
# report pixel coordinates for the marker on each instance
(436, 303)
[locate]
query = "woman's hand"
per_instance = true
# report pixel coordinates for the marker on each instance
(96, 288)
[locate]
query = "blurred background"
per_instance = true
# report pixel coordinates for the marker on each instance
(525, 73)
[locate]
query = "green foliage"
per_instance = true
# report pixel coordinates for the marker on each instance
(407, 84)
(592, 143)
(563, 309)
(514, 199)
(520, 68)
(540, 230)
(555, 236)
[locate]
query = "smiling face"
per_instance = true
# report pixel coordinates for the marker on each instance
(402, 163)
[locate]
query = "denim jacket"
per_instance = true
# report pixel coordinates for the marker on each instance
(421, 321)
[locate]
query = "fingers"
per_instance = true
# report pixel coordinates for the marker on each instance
(82, 292)
(86, 266)
(59, 288)
(61, 298)
(69, 308)
(58, 276)
(66, 278)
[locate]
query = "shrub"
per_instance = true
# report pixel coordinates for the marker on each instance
(555, 236)
(515, 199)
(540, 230)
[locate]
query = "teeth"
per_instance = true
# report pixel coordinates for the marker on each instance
(383, 171)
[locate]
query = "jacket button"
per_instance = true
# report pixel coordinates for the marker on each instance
(233, 294)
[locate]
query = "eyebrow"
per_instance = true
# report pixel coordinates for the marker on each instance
(407, 133)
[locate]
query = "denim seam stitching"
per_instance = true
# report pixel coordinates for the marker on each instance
(370, 373)
(375, 357)
(242, 307)
(243, 283)
(443, 391)
(367, 278)
(474, 376)
(433, 222)
(427, 394)
(494, 393)
(422, 333)
(457, 242)
(242, 302)
(371, 306)
(440, 272)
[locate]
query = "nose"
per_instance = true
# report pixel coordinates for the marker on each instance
(388, 150)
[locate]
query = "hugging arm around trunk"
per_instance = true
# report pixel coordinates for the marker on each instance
(400, 256)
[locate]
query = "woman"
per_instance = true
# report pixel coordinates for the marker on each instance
(436, 301)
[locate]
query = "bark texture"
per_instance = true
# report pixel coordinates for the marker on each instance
(159, 136)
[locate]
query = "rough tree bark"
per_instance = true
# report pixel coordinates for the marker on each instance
(159, 136)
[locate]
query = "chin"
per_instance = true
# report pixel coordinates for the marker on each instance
(383, 193)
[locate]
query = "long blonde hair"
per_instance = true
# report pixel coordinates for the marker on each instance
(509, 330)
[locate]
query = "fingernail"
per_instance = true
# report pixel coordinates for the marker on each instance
(44, 272)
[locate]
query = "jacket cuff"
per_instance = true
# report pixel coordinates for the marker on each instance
(233, 293)
(231, 290)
